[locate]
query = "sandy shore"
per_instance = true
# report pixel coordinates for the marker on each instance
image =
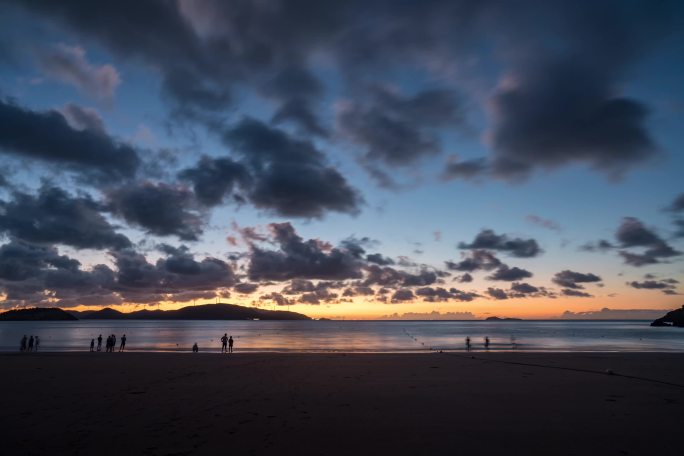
(417, 404)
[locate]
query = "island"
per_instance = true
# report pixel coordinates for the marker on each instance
(502, 319)
(201, 312)
(37, 314)
(673, 318)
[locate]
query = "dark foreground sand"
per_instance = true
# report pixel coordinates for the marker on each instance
(417, 404)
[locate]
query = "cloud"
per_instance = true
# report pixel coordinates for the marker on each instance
(601, 245)
(390, 277)
(667, 286)
(542, 222)
(47, 136)
(517, 247)
(68, 64)
(398, 130)
(576, 293)
(437, 294)
(277, 172)
(246, 288)
(677, 205)
(434, 315)
(464, 278)
(465, 169)
(475, 260)
(572, 279)
(615, 314)
(379, 259)
(300, 259)
(52, 216)
(403, 295)
(632, 233)
(506, 273)
(497, 293)
(158, 208)
(82, 118)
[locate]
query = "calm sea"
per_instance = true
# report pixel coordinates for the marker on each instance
(351, 336)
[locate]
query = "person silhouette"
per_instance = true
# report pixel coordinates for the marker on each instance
(486, 342)
(123, 343)
(224, 343)
(92, 345)
(37, 342)
(109, 344)
(30, 345)
(22, 346)
(230, 344)
(468, 343)
(99, 342)
(195, 348)
(113, 343)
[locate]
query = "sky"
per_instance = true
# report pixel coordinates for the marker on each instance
(352, 159)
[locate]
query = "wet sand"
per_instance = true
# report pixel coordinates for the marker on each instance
(328, 404)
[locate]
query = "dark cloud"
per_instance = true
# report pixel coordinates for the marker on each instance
(273, 171)
(497, 293)
(677, 205)
(47, 136)
(524, 288)
(390, 277)
(475, 261)
(572, 279)
(55, 217)
(667, 286)
(299, 259)
(517, 247)
(246, 288)
(465, 169)
(576, 293)
(277, 298)
(465, 278)
(160, 209)
(437, 294)
(379, 259)
(82, 118)
(599, 246)
(214, 178)
(397, 130)
(403, 295)
(633, 234)
(509, 274)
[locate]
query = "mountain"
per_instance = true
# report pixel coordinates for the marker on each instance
(37, 314)
(673, 318)
(201, 312)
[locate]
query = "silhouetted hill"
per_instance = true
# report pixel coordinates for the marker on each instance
(673, 318)
(37, 314)
(502, 319)
(202, 312)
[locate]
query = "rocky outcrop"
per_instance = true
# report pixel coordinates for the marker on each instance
(673, 318)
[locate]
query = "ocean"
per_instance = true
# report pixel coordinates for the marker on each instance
(350, 336)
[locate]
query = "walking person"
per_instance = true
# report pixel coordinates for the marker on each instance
(486, 342)
(123, 343)
(230, 344)
(224, 343)
(468, 343)
(30, 345)
(37, 342)
(22, 345)
(99, 342)
(92, 345)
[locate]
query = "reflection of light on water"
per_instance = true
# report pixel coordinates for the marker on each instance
(359, 336)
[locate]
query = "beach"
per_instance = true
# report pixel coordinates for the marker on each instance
(261, 403)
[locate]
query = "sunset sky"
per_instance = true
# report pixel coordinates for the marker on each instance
(351, 159)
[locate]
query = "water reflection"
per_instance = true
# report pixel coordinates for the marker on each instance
(350, 335)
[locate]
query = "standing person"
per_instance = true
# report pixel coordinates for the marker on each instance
(37, 342)
(113, 343)
(109, 344)
(468, 343)
(99, 342)
(22, 346)
(30, 345)
(92, 345)
(230, 344)
(123, 343)
(486, 342)
(224, 343)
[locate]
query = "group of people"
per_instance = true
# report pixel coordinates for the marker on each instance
(111, 343)
(29, 344)
(469, 345)
(226, 344)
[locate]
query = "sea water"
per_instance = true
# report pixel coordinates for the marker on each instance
(349, 336)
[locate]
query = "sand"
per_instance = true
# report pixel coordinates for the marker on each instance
(328, 404)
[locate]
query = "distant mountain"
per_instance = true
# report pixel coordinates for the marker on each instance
(673, 318)
(201, 312)
(37, 314)
(502, 319)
